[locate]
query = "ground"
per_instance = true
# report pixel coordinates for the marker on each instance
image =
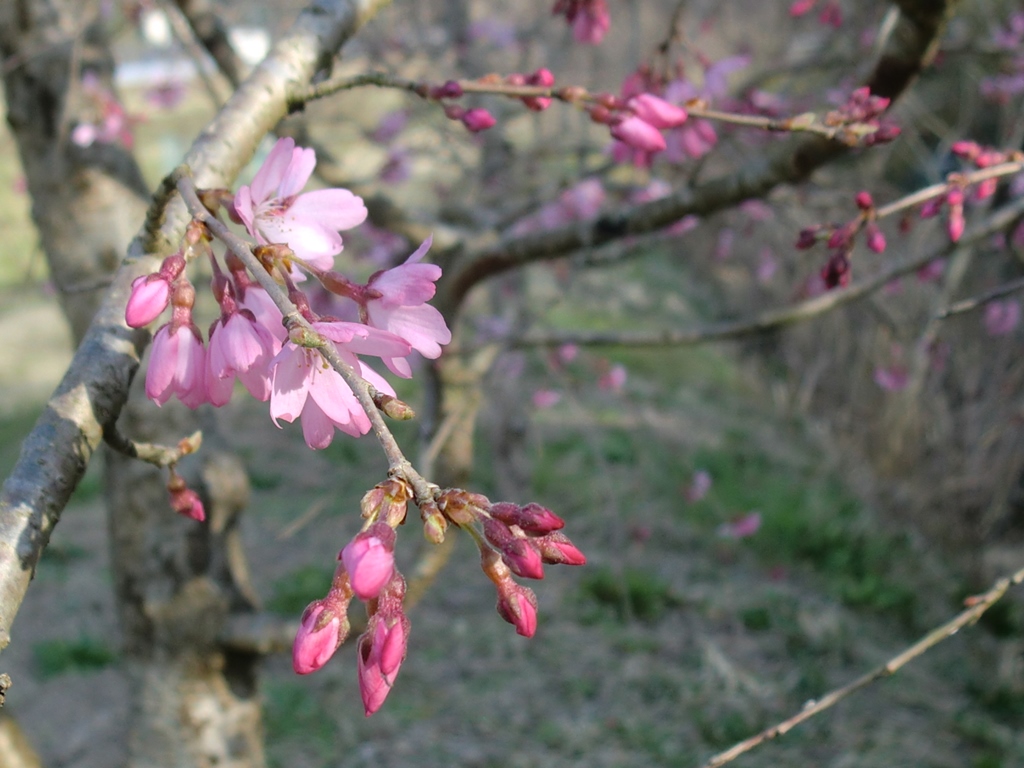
(670, 644)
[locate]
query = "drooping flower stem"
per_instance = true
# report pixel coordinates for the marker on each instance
(365, 393)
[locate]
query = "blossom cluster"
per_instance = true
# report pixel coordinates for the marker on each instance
(512, 539)
(298, 235)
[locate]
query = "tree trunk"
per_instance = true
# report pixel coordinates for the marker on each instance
(176, 582)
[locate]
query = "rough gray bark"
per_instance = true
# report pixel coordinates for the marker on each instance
(178, 583)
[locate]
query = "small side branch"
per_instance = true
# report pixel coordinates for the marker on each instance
(976, 606)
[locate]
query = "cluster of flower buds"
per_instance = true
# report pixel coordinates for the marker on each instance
(589, 19)
(476, 119)
(953, 200)
(860, 120)
(639, 120)
(515, 540)
(840, 239)
(512, 539)
(298, 235)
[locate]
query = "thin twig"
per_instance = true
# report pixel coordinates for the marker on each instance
(977, 606)
(975, 302)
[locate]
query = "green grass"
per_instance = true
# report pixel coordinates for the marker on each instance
(636, 594)
(56, 657)
(295, 716)
(292, 593)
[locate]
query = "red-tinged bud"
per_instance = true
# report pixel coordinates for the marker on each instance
(370, 560)
(454, 111)
(875, 240)
(556, 549)
(639, 134)
(885, 133)
(932, 208)
(517, 551)
(515, 79)
(533, 518)
(955, 225)
(518, 606)
(381, 651)
(864, 200)
(985, 189)
(463, 507)
(387, 502)
(965, 149)
(572, 94)
(840, 237)
(836, 271)
(542, 77)
(989, 158)
(187, 502)
(607, 100)
(477, 120)
(450, 90)
(808, 237)
(323, 630)
(600, 115)
(657, 112)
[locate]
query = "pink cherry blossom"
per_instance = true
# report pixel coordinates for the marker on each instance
(177, 366)
(656, 111)
(400, 308)
(380, 655)
(274, 211)
(242, 347)
(303, 385)
(370, 560)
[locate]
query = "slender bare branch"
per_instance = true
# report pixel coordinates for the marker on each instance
(976, 606)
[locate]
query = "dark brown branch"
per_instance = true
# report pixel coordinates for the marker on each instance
(778, 318)
(910, 48)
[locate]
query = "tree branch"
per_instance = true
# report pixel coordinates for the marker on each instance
(95, 387)
(909, 49)
(977, 606)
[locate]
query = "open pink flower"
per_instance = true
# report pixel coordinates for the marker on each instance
(401, 308)
(303, 385)
(177, 366)
(242, 347)
(274, 211)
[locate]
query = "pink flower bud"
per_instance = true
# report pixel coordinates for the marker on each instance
(187, 502)
(864, 200)
(955, 225)
(533, 518)
(478, 119)
(876, 240)
(370, 560)
(556, 549)
(517, 552)
(639, 134)
(321, 633)
(149, 298)
(381, 652)
(518, 606)
(965, 149)
(932, 207)
(657, 112)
